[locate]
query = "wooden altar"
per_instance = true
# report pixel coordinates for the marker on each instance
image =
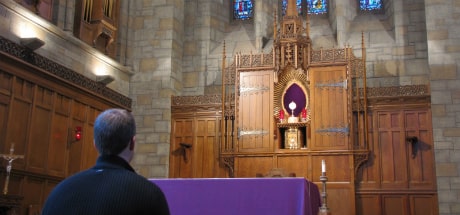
(361, 133)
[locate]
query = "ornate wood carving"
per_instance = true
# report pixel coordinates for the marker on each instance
(68, 75)
(229, 162)
(196, 103)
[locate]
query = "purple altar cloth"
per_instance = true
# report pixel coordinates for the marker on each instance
(240, 196)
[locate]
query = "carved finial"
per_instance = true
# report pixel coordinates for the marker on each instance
(275, 26)
(223, 50)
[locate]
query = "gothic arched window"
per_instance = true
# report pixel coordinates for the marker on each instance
(314, 6)
(370, 5)
(298, 3)
(317, 6)
(243, 9)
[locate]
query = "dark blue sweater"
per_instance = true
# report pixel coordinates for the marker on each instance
(110, 187)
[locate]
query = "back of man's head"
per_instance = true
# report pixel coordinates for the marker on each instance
(114, 129)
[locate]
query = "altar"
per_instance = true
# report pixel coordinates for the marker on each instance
(230, 196)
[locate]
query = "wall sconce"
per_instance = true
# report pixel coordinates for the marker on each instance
(31, 43)
(77, 133)
(74, 135)
(104, 79)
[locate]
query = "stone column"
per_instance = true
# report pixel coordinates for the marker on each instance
(442, 26)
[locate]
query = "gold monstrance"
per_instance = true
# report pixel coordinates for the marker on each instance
(10, 158)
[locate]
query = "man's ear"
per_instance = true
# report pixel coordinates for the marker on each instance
(132, 142)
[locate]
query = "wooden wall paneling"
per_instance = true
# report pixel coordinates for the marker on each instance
(39, 112)
(423, 204)
(19, 119)
(180, 164)
(255, 127)
(392, 149)
(395, 204)
(81, 113)
(40, 130)
(298, 164)
(250, 166)
(76, 148)
(15, 184)
(368, 204)
(74, 151)
(340, 198)
(420, 166)
(339, 167)
(57, 158)
(6, 83)
(32, 189)
(205, 150)
(368, 177)
(329, 108)
(4, 110)
(201, 131)
(89, 152)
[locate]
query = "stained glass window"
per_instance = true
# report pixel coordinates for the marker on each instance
(317, 6)
(314, 6)
(299, 7)
(242, 9)
(368, 5)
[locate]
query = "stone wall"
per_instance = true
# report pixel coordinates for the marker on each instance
(443, 27)
(175, 48)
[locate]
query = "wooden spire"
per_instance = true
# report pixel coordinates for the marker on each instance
(291, 9)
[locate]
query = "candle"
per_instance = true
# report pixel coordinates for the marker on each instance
(12, 148)
(281, 114)
(304, 113)
(323, 166)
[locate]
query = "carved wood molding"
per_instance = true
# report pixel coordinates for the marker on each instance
(229, 162)
(180, 104)
(254, 60)
(413, 94)
(328, 56)
(55, 69)
(359, 158)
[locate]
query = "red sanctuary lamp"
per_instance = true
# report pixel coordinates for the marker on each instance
(303, 115)
(281, 115)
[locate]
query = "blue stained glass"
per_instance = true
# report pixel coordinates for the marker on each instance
(242, 9)
(370, 4)
(299, 7)
(314, 6)
(317, 6)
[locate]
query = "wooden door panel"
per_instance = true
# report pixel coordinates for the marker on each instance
(255, 129)
(329, 109)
